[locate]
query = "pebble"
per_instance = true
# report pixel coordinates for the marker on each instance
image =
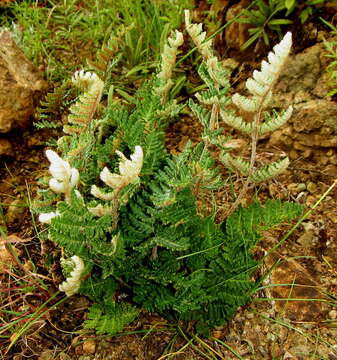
(333, 314)
(15, 211)
(89, 347)
(295, 188)
(6, 148)
(312, 187)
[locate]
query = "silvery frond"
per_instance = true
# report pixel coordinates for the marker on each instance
(244, 103)
(263, 80)
(71, 285)
(256, 88)
(87, 81)
(45, 218)
(64, 177)
(236, 122)
(235, 163)
(270, 170)
(276, 122)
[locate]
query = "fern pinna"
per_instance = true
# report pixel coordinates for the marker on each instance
(130, 216)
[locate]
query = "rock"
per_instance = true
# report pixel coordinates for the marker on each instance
(302, 73)
(236, 34)
(295, 188)
(89, 347)
(309, 129)
(21, 84)
(333, 314)
(15, 211)
(312, 187)
(309, 236)
(6, 258)
(6, 148)
(305, 73)
(302, 285)
(313, 115)
(331, 170)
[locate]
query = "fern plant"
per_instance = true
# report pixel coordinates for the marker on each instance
(127, 214)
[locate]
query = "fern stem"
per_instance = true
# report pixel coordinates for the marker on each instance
(255, 138)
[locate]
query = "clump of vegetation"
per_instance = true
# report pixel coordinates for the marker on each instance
(136, 223)
(61, 35)
(272, 15)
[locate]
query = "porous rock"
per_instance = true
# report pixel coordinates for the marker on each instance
(296, 282)
(312, 129)
(21, 85)
(236, 34)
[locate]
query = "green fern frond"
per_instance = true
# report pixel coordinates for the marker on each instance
(110, 318)
(77, 230)
(201, 113)
(54, 104)
(270, 170)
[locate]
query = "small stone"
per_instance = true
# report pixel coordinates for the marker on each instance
(89, 347)
(78, 350)
(333, 314)
(310, 200)
(309, 236)
(333, 159)
(331, 170)
(217, 334)
(15, 211)
(312, 187)
(273, 189)
(6, 148)
(293, 155)
(296, 188)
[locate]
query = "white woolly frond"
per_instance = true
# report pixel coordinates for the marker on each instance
(207, 100)
(167, 64)
(236, 122)
(235, 163)
(56, 186)
(244, 103)
(45, 218)
(95, 191)
(65, 178)
(269, 171)
(176, 40)
(262, 77)
(276, 122)
(129, 172)
(198, 36)
(101, 210)
(74, 177)
(129, 169)
(115, 181)
(88, 81)
(263, 80)
(83, 110)
(58, 168)
(71, 285)
(256, 88)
